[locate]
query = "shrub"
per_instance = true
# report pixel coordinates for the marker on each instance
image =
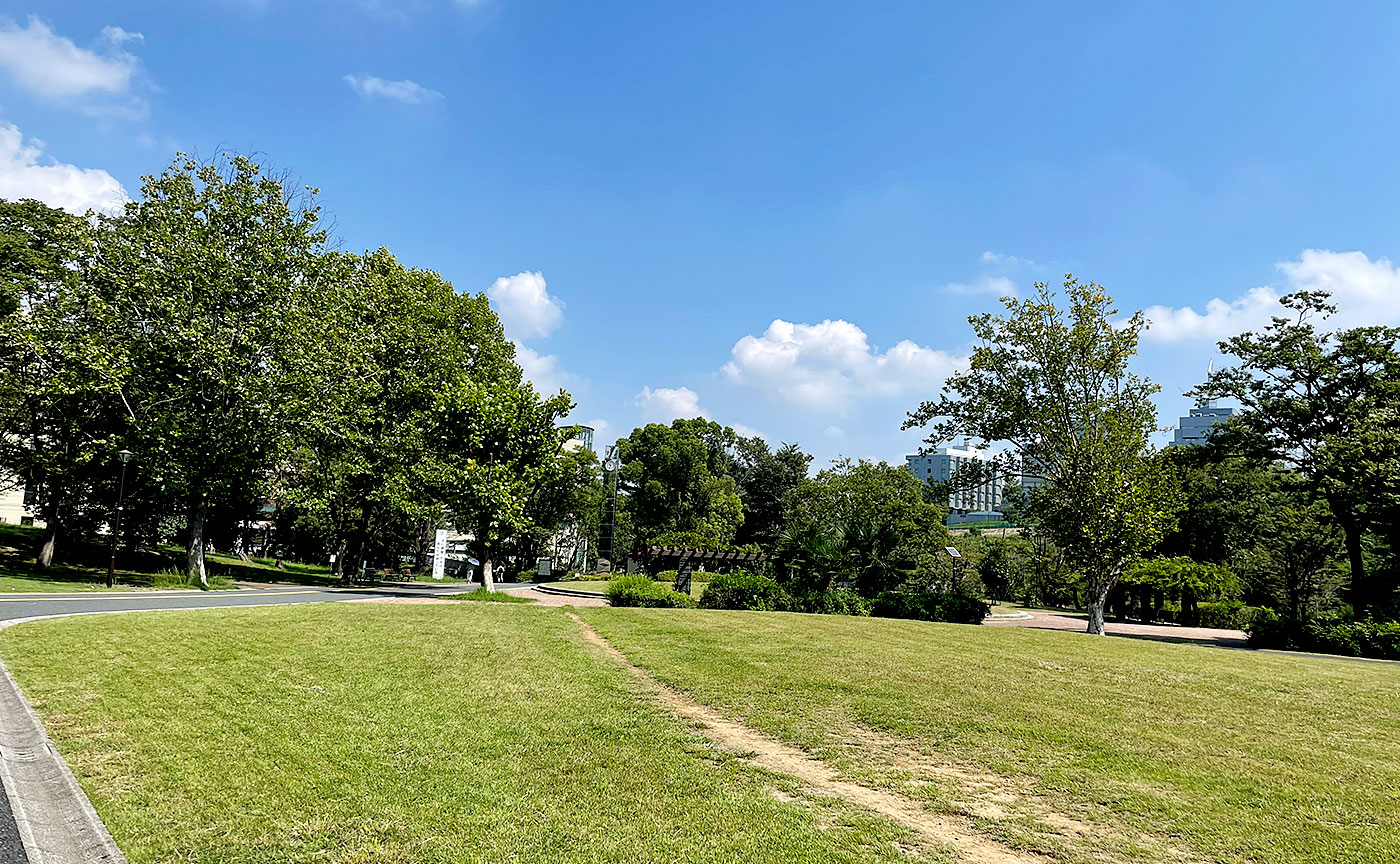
(639, 590)
(933, 606)
(835, 602)
(742, 590)
(1232, 614)
(1376, 639)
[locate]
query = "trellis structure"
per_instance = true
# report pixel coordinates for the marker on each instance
(686, 558)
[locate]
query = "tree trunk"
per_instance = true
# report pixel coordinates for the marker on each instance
(486, 581)
(1358, 593)
(46, 547)
(194, 549)
(1097, 599)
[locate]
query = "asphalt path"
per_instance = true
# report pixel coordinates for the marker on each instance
(20, 606)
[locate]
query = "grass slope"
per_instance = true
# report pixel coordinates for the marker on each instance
(472, 732)
(1093, 748)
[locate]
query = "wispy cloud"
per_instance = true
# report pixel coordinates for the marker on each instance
(407, 92)
(997, 286)
(50, 67)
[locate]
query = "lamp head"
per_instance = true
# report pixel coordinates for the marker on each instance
(125, 456)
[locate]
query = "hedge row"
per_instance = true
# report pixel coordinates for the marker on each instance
(746, 591)
(1377, 639)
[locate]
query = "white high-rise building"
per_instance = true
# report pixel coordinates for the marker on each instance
(938, 466)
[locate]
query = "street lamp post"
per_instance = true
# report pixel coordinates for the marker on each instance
(125, 456)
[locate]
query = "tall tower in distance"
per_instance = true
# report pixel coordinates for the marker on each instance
(1196, 426)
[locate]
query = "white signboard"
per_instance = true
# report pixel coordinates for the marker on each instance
(439, 552)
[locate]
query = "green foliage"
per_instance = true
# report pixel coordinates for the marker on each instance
(838, 601)
(1055, 384)
(1370, 638)
(743, 590)
(1229, 614)
(1323, 404)
(639, 590)
(869, 523)
(954, 608)
(678, 478)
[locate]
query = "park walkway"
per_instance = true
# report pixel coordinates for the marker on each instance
(1076, 622)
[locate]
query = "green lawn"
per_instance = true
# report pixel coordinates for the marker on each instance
(82, 566)
(491, 732)
(1146, 747)
(471, 732)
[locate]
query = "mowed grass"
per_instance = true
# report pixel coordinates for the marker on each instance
(471, 732)
(1088, 748)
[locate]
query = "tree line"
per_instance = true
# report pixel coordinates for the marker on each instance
(255, 372)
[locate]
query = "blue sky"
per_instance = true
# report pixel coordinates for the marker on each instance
(778, 215)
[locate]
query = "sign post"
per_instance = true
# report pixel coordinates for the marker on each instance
(439, 552)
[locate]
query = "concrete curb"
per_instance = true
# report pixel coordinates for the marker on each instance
(56, 821)
(1010, 616)
(570, 592)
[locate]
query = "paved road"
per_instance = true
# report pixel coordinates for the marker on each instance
(16, 606)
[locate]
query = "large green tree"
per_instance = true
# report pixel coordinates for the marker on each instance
(767, 479)
(62, 368)
(209, 267)
(1053, 382)
(676, 482)
(873, 523)
(1326, 404)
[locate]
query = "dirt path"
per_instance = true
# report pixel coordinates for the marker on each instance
(773, 755)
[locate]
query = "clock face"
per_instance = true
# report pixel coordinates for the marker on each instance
(612, 462)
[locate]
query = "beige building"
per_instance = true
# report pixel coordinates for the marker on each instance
(12, 510)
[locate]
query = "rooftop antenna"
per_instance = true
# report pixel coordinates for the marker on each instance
(1204, 402)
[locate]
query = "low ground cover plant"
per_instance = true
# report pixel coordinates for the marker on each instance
(640, 590)
(1375, 639)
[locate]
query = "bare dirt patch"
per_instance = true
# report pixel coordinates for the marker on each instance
(759, 749)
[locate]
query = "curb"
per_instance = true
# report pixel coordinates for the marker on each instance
(1010, 616)
(56, 821)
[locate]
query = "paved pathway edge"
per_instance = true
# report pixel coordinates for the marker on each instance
(56, 821)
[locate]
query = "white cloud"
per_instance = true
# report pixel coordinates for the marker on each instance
(543, 370)
(54, 69)
(26, 172)
(525, 306)
(665, 404)
(835, 432)
(997, 286)
(990, 257)
(746, 431)
(831, 365)
(1365, 292)
(407, 92)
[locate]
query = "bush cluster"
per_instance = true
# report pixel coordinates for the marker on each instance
(743, 590)
(752, 592)
(639, 590)
(1376, 639)
(1229, 615)
(934, 606)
